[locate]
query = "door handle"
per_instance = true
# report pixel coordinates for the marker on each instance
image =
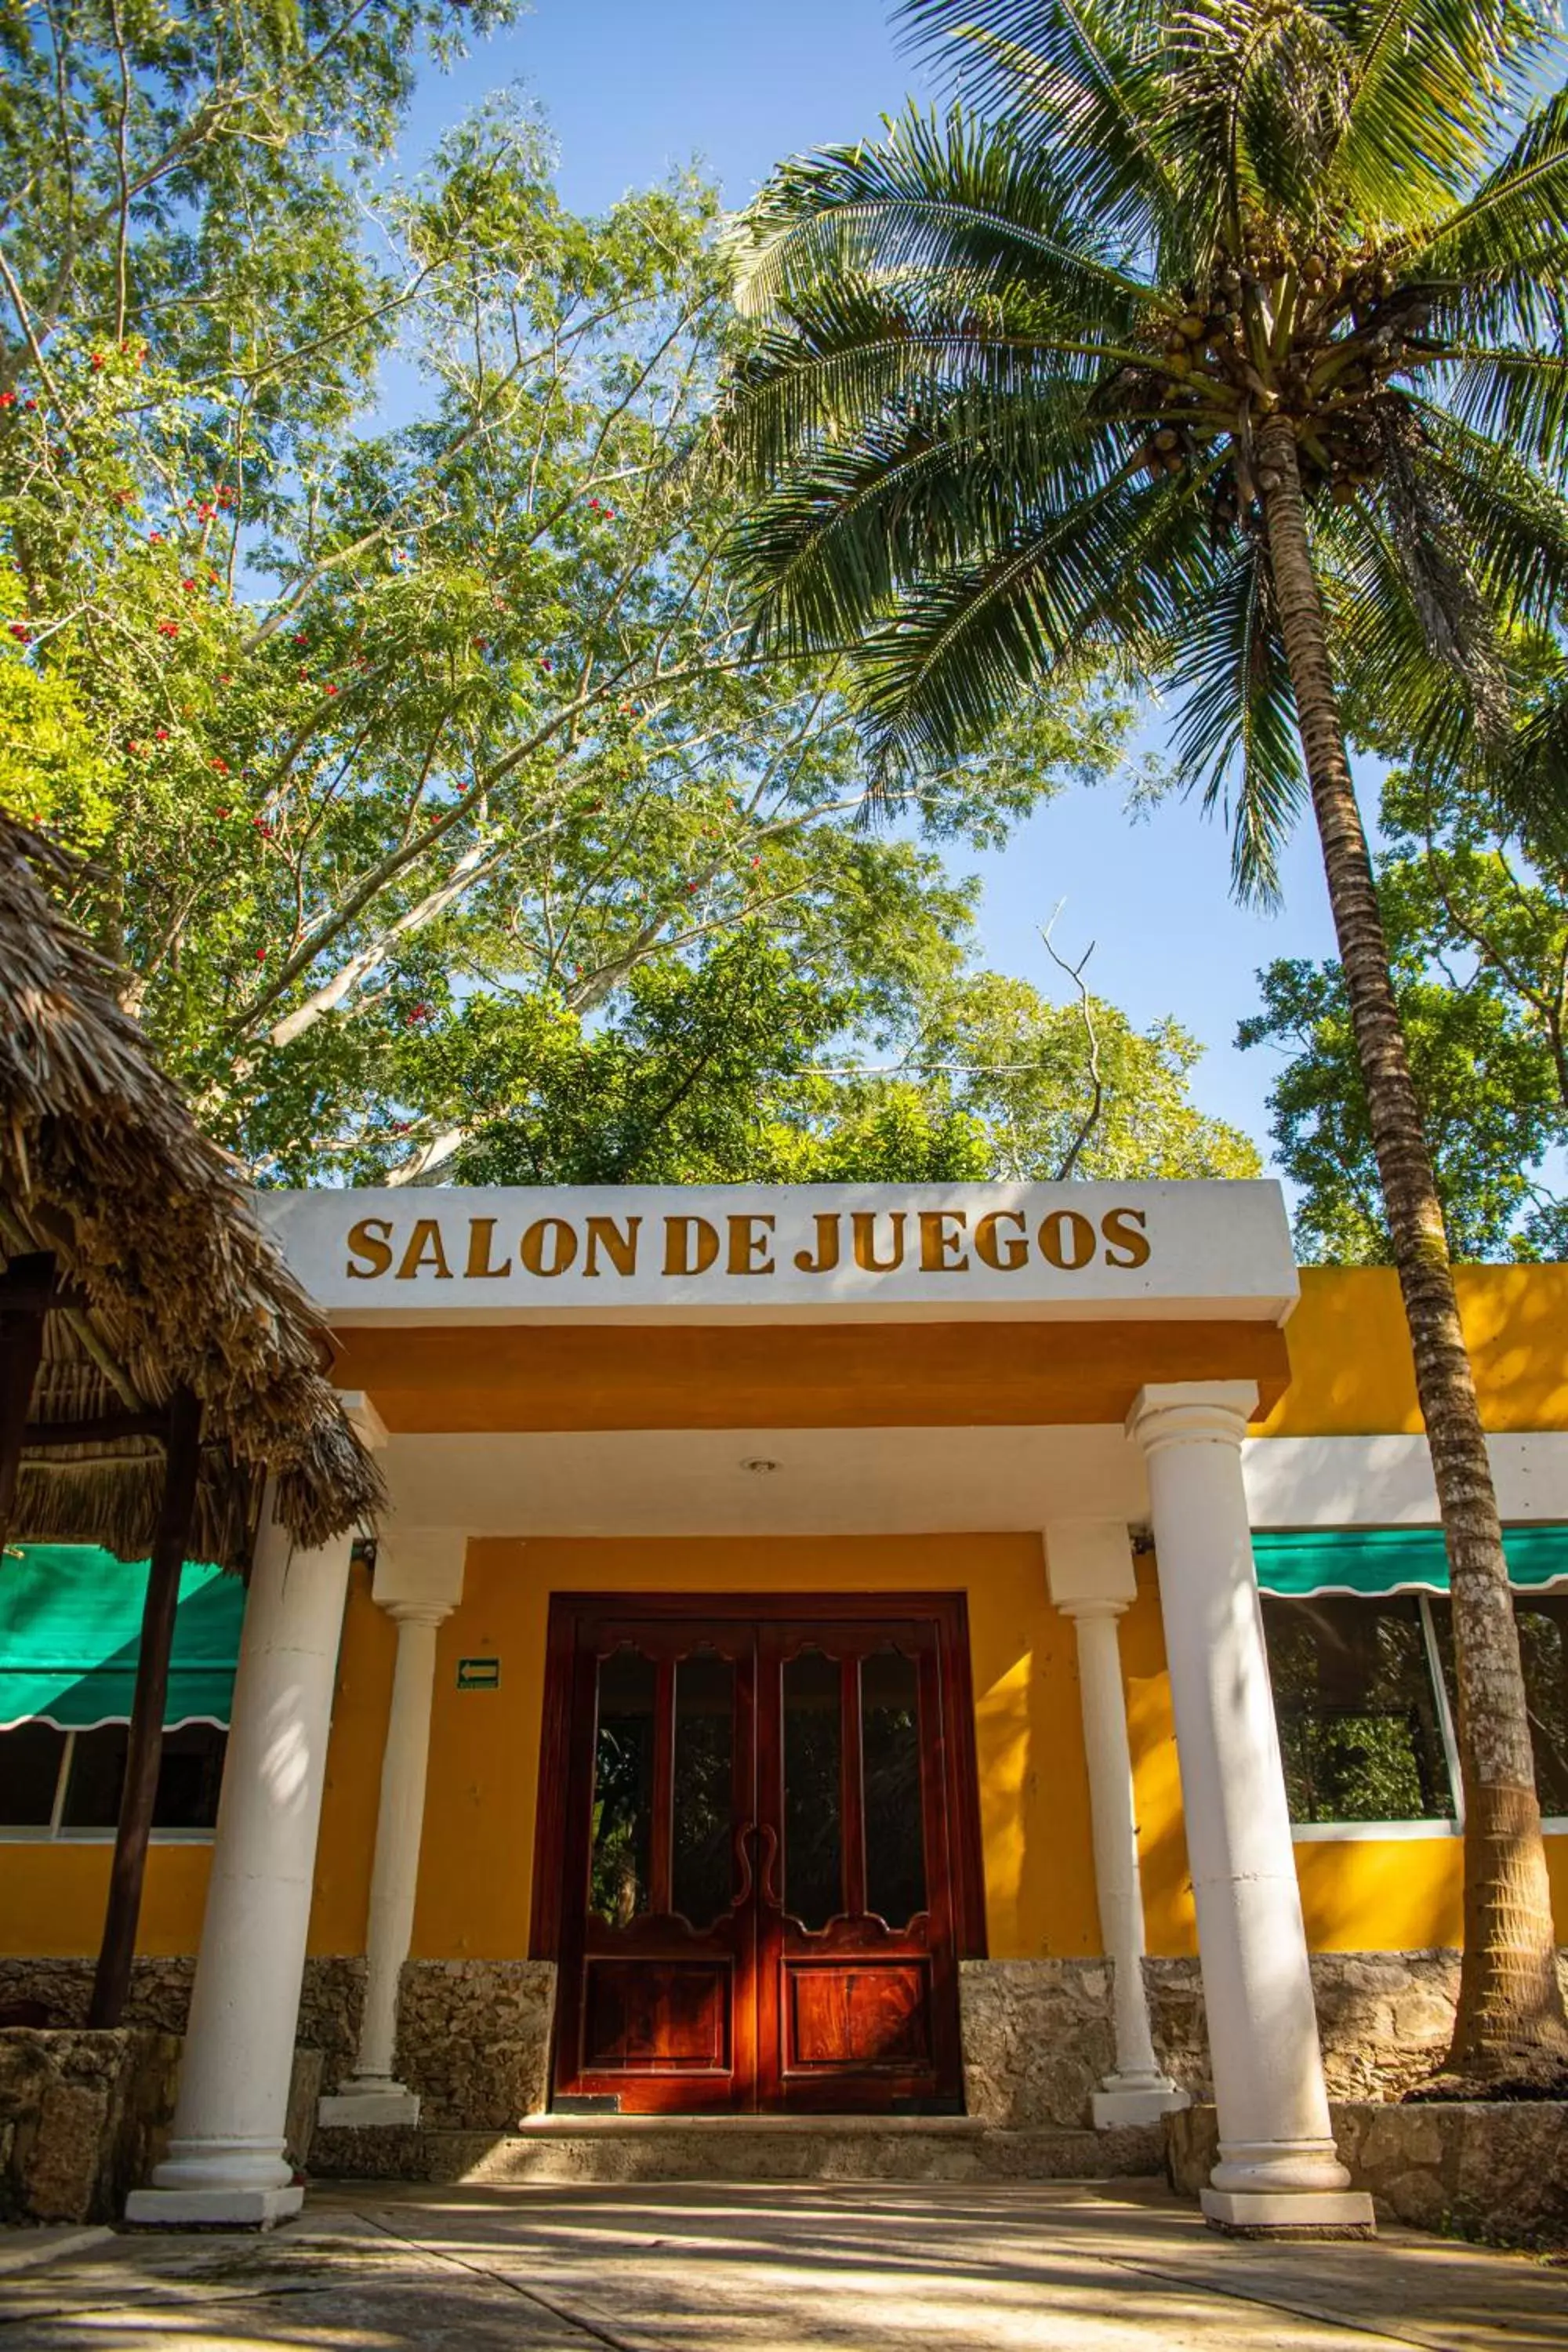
(770, 1893)
(742, 1855)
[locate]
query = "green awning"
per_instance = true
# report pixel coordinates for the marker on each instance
(70, 1626)
(1372, 1560)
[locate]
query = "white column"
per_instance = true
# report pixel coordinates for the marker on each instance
(1092, 1581)
(418, 1582)
(1278, 2167)
(225, 2161)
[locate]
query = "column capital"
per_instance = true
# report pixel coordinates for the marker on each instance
(1088, 1567)
(418, 1568)
(417, 1612)
(1192, 1412)
(1089, 1608)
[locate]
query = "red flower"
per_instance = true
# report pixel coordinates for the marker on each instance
(220, 812)
(300, 637)
(221, 766)
(134, 748)
(205, 512)
(261, 955)
(155, 539)
(7, 400)
(168, 628)
(547, 664)
(189, 586)
(331, 689)
(29, 403)
(756, 861)
(162, 734)
(22, 633)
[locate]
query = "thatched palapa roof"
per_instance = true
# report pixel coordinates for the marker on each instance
(173, 1281)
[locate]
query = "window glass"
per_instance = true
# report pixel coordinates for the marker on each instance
(1357, 1712)
(890, 1754)
(1542, 1622)
(814, 1795)
(29, 1769)
(188, 1778)
(703, 1772)
(620, 1870)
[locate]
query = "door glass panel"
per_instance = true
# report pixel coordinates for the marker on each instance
(813, 1822)
(620, 1870)
(890, 1762)
(701, 1868)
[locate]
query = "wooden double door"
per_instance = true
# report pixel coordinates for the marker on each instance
(765, 1881)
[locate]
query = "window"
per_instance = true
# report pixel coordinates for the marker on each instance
(67, 1784)
(1362, 1726)
(1542, 1622)
(1365, 1696)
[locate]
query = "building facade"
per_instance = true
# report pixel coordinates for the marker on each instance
(975, 1655)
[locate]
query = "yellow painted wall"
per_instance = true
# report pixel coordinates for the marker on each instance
(1350, 1368)
(475, 1871)
(52, 1899)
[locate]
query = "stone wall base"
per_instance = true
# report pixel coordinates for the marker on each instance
(474, 2036)
(1491, 2170)
(83, 2117)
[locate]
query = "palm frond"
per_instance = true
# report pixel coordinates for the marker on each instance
(1517, 397)
(1519, 211)
(1109, 571)
(866, 517)
(851, 351)
(963, 205)
(1254, 97)
(1515, 523)
(1234, 739)
(1424, 100)
(1081, 75)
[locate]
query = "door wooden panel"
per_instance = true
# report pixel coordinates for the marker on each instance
(760, 1853)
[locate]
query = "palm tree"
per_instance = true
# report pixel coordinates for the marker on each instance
(1227, 343)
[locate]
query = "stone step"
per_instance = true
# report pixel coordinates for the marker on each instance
(740, 2147)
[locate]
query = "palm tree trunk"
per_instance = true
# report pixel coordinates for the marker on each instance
(1511, 2013)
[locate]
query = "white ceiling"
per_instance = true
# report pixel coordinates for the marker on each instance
(826, 1482)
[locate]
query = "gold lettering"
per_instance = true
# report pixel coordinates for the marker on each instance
(690, 1245)
(552, 1235)
(1123, 1228)
(1005, 1256)
(825, 1257)
(863, 1227)
(936, 1244)
(751, 1250)
(1067, 1240)
(621, 1249)
(424, 1249)
(370, 1240)
(481, 1234)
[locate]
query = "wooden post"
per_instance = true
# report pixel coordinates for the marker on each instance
(25, 1287)
(145, 1747)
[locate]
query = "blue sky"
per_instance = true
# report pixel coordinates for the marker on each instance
(634, 87)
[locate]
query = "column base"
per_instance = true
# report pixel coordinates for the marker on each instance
(1122, 2103)
(1289, 2212)
(386, 2106)
(212, 2209)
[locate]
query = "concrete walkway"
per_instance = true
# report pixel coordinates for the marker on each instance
(774, 2269)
